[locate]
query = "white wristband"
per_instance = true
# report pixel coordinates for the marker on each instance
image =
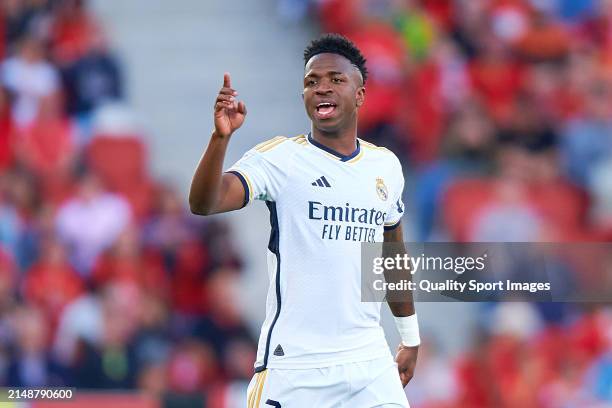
(408, 328)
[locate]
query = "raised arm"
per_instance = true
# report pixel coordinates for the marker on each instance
(212, 191)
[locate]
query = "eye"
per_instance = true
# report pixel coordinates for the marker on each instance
(337, 80)
(310, 82)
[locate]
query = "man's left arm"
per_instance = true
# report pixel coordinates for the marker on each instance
(402, 307)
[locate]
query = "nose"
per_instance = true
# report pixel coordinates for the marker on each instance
(323, 88)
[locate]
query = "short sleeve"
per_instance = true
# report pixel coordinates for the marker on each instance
(262, 171)
(396, 205)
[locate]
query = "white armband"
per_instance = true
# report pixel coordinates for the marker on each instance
(408, 328)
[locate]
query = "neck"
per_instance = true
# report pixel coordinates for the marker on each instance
(343, 142)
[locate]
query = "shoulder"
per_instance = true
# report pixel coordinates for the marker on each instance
(277, 141)
(279, 147)
(382, 154)
(380, 150)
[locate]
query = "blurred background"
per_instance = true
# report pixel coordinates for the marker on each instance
(500, 110)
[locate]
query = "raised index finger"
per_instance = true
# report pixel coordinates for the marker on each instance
(226, 80)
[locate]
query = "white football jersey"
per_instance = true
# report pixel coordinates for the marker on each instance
(322, 206)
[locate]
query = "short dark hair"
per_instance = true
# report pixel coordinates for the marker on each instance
(337, 44)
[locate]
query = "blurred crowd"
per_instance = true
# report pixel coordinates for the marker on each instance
(106, 282)
(501, 111)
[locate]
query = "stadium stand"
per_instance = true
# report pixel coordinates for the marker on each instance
(501, 111)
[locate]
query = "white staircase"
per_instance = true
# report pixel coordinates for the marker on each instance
(174, 54)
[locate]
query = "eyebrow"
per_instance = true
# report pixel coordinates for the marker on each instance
(327, 73)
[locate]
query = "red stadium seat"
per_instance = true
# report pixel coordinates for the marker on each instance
(119, 161)
(121, 164)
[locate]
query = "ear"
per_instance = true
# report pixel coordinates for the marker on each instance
(360, 97)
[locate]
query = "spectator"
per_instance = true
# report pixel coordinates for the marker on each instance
(221, 246)
(510, 20)
(80, 321)
(106, 216)
(29, 77)
(509, 216)
(73, 32)
(8, 280)
(496, 77)
(384, 51)
(25, 18)
(6, 132)
(600, 186)
(416, 27)
(30, 365)
(192, 367)
(127, 261)
(46, 146)
(466, 153)
(223, 327)
(170, 226)
(191, 264)
(152, 380)
(11, 225)
(494, 103)
(111, 363)
(37, 229)
(587, 140)
(51, 283)
(471, 26)
(92, 80)
(437, 87)
(153, 341)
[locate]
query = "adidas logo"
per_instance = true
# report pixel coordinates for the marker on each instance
(278, 351)
(321, 182)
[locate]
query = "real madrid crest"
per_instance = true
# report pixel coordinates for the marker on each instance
(381, 189)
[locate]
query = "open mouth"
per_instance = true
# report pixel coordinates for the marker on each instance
(325, 109)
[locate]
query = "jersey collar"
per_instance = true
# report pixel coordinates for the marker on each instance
(340, 156)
